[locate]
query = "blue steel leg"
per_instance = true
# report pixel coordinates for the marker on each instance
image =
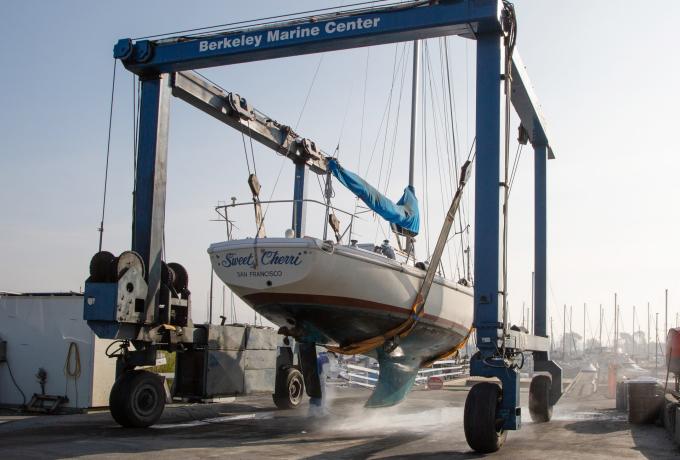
(149, 200)
(299, 194)
(488, 318)
(540, 240)
(542, 362)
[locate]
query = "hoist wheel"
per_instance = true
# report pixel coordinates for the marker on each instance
(129, 260)
(483, 428)
(137, 399)
(539, 399)
(289, 388)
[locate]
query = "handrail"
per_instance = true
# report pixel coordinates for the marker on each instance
(222, 210)
(306, 200)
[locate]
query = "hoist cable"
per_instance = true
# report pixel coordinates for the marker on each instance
(134, 128)
(515, 167)
(245, 152)
(252, 150)
(509, 44)
(108, 152)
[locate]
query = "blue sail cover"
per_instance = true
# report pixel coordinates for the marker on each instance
(404, 213)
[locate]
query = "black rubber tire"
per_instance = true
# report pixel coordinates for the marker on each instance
(289, 389)
(483, 428)
(181, 278)
(137, 399)
(539, 399)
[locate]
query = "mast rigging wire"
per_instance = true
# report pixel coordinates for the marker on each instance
(387, 108)
(395, 131)
(389, 114)
(135, 127)
(465, 256)
(283, 159)
(444, 179)
(425, 178)
(309, 91)
(363, 107)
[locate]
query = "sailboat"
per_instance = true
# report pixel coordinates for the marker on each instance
(353, 297)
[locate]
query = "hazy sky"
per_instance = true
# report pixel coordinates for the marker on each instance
(604, 72)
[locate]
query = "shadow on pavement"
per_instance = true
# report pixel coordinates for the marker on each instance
(654, 442)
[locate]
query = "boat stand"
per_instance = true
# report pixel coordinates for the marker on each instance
(310, 371)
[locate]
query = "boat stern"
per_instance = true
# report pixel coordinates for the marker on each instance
(261, 264)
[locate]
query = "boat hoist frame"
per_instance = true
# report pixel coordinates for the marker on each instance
(164, 67)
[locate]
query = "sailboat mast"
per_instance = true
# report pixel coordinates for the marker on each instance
(415, 103)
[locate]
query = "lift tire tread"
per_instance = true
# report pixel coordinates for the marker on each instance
(540, 409)
(180, 278)
(284, 396)
(100, 267)
(126, 410)
(117, 401)
(484, 431)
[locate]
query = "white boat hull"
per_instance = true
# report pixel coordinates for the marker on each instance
(338, 295)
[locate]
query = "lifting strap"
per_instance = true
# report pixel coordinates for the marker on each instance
(404, 329)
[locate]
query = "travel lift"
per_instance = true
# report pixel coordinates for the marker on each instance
(146, 302)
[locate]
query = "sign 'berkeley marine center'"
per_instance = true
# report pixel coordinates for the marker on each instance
(257, 39)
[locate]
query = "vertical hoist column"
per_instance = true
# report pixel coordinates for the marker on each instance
(542, 362)
(149, 200)
(488, 316)
(540, 240)
(299, 195)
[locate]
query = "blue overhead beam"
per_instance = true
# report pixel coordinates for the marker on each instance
(378, 26)
(419, 20)
(526, 104)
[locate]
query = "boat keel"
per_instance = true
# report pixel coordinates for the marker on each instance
(397, 376)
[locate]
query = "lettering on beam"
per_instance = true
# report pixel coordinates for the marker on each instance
(256, 39)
